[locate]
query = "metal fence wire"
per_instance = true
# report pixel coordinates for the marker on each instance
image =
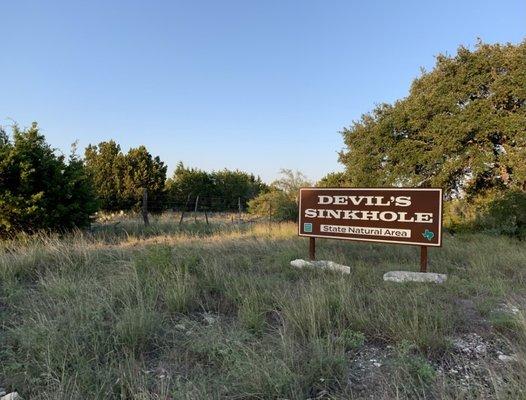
(204, 206)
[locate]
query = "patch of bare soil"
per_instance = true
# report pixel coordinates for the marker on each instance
(367, 373)
(475, 364)
(464, 370)
(472, 318)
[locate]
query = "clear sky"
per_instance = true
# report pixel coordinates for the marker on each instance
(254, 85)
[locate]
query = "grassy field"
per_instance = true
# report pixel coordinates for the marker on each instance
(216, 312)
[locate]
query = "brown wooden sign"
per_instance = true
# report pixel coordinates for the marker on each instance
(410, 216)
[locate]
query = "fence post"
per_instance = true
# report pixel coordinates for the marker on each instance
(269, 216)
(206, 217)
(184, 209)
(145, 207)
(239, 210)
(195, 208)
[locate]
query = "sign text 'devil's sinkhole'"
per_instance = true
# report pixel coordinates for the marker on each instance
(394, 215)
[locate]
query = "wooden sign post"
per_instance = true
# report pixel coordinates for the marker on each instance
(423, 258)
(411, 216)
(312, 248)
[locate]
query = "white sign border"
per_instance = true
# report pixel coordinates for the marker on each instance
(439, 244)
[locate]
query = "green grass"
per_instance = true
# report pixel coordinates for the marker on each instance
(210, 312)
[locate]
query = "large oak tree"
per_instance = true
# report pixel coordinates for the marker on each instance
(462, 127)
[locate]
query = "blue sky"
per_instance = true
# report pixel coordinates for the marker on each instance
(254, 85)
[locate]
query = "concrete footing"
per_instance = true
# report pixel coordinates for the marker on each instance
(409, 276)
(321, 264)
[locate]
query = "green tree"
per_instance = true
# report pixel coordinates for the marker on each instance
(333, 179)
(234, 186)
(120, 179)
(281, 200)
(106, 165)
(190, 182)
(38, 189)
(462, 127)
(217, 190)
(291, 182)
(274, 203)
(142, 171)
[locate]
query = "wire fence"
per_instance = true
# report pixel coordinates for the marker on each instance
(196, 208)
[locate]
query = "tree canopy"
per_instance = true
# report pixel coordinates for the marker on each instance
(462, 127)
(105, 163)
(120, 179)
(333, 179)
(217, 190)
(280, 201)
(38, 188)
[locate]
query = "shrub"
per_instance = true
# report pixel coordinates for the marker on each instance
(504, 214)
(498, 213)
(350, 339)
(276, 203)
(38, 189)
(281, 201)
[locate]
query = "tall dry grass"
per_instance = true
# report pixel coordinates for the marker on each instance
(215, 311)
